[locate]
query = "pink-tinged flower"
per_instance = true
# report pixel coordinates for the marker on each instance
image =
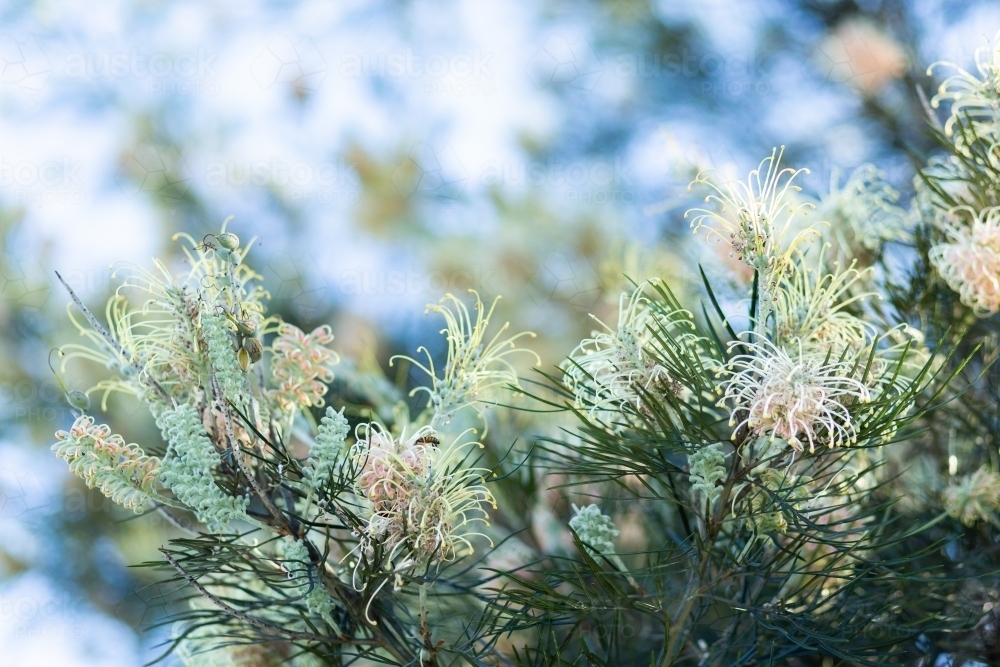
(103, 460)
(802, 398)
(970, 261)
(301, 366)
(421, 498)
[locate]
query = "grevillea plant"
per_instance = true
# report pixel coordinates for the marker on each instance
(802, 470)
(314, 535)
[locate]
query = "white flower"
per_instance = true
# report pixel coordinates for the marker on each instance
(615, 367)
(972, 96)
(476, 365)
(755, 218)
(970, 261)
(811, 308)
(798, 398)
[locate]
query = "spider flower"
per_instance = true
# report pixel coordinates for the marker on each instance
(301, 366)
(811, 308)
(975, 97)
(756, 218)
(101, 459)
(975, 498)
(802, 398)
(421, 497)
(615, 367)
(476, 363)
(970, 261)
(161, 339)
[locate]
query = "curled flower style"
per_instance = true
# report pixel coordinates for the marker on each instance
(811, 308)
(975, 498)
(802, 397)
(755, 219)
(616, 367)
(302, 366)
(476, 364)
(975, 97)
(121, 471)
(708, 468)
(970, 261)
(421, 497)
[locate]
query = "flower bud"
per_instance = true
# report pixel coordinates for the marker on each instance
(243, 357)
(77, 399)
(229, 241)
(253, 348)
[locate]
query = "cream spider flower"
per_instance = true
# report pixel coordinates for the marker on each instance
(970, 261)
(756, 218)
(977, 97)
(421, 497)
(476, 365)
(160, 340)
(803, 399)
(975, 498)
(615, 367)
(811, 308)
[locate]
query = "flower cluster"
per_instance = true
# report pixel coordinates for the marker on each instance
(475, 366)
(101, 459)
(222, 355)
(301, 366)
(975, 498)
(300, 569)
(421, 498)
(707, 469)
(188, 466)
(812, 309)
(756, 218)
(329, 451)
(795, 397)
(975, 97)
(619, 367)
(596, 530)
(970, 261)
(863, 213)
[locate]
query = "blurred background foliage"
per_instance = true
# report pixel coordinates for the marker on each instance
(387, 153)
